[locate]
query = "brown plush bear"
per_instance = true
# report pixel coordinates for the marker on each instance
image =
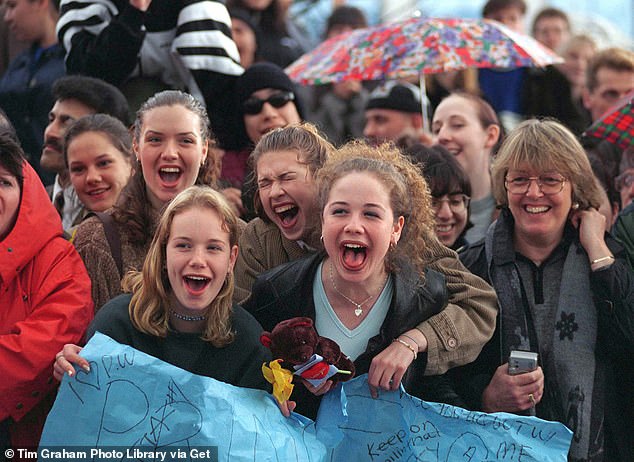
(295, 340)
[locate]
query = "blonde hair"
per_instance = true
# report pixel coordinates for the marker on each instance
(546, 145)
(151, 288)
(408, 191)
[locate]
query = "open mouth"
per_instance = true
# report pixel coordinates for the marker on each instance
(170, 175)
(287, 214)
(196, 284)
(354, 256)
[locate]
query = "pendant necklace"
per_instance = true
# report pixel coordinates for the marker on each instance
(185, 317)
(358, 310)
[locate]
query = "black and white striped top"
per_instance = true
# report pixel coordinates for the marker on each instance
(185, 44)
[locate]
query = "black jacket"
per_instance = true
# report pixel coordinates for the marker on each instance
(613, 291)
(287, 291)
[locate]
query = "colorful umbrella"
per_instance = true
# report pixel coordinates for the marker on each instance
(418, 46)
(617, 124)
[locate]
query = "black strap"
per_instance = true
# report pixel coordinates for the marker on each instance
(114, 240)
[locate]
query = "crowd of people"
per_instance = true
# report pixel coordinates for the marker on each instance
(164, 182)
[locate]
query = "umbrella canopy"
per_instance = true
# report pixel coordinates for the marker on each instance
(418, 46)
(617, 124)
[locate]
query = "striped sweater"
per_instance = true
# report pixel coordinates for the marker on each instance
(185, 44)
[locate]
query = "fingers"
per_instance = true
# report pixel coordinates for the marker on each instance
(388, 368)
(319, 390)
(286, 407)
(374, 392)
(65, 359)
(513, 393)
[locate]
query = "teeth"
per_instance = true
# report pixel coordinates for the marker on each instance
(94, 193)
(171, 170)
(537, 209)
(353, 246)
(284, 208)
(444, 228)
(197, 278)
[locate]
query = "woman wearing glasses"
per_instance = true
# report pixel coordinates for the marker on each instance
(565, 292)
(450, 192)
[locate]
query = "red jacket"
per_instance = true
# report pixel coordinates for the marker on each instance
(45, 302)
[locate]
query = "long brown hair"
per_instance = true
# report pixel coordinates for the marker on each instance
(132, 209)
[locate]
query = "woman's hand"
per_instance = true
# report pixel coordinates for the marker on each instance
(591, 226)
(286, 407)
(388, 367)
(319, 390)
(513, 393)
(65, 359)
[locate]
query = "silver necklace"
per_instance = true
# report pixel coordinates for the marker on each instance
(358, 310)
(185, 317)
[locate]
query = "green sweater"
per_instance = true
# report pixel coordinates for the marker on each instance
(238, 363)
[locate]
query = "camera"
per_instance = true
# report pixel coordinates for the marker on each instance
(522, 361)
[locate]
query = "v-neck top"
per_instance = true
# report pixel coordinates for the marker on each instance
(353, 342)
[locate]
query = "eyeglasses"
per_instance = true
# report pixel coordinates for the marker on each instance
(253, 105)
(547, 184)
(624, 180)
(458, 203)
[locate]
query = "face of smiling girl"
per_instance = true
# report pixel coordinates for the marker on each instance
(198, 258)
(457, 128)
(171, 150)
(98, 170)
(358, 226)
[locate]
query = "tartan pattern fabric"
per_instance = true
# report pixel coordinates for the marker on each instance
(617, 124)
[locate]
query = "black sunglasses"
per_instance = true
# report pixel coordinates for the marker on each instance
(253, 106)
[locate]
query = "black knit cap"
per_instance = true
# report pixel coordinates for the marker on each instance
(399, 96)
(259, 76)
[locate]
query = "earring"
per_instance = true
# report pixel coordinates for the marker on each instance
(575, 206)
(392, 246)
(321, 238)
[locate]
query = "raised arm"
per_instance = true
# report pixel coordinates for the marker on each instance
(102, 38)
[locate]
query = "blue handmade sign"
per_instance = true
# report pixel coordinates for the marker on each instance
(131, 406)
(399, 427)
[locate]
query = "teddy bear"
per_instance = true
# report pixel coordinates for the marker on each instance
(295, 341)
